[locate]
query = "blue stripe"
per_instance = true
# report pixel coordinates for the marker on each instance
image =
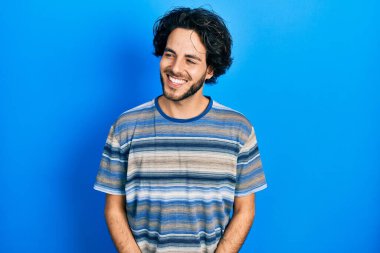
(111, 174)
(177, 177)
(189, 204)
(182, 188)
(185, 145)
(183, 218)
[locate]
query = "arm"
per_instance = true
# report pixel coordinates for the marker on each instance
(117, 223)
(239, 226)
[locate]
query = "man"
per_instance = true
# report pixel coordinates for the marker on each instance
(175, 167)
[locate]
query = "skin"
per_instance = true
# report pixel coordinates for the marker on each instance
(239, 226)
(184, 59)
(117, 223)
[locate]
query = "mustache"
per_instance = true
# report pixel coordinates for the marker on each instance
(170, 72)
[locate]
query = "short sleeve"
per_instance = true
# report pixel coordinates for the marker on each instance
(111, 177)
(250, 175)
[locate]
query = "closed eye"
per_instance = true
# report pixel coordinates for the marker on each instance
(168, 55)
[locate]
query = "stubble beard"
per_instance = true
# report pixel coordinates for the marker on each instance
(190, 92)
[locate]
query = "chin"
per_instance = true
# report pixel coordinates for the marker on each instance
(172, 97)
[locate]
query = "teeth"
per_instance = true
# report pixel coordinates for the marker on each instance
(177, 81)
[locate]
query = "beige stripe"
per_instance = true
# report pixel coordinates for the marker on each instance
(179, 161)
(251, 142)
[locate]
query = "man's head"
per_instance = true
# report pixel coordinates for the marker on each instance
(209, 27)
(183, 68)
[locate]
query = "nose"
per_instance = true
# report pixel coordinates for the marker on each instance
(177, 66)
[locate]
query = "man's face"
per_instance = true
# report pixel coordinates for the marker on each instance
(183, 66)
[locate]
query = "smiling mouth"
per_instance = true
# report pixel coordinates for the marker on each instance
(175, 82)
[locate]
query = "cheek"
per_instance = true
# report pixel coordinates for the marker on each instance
(164, 63)
(197, 72)
(161, 65)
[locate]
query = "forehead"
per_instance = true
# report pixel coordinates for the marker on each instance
(186, 41)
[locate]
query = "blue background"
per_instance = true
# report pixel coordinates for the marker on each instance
(306, 73)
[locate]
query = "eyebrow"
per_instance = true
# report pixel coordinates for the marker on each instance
(167, 49)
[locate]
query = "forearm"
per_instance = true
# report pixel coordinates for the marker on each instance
(236, 232)
(120, 232)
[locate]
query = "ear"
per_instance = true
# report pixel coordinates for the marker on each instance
(209, 72)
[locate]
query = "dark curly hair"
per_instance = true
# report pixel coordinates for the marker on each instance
(210, 28)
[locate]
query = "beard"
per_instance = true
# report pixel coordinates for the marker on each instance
(195, 87)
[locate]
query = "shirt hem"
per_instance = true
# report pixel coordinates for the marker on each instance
(251, 191)
(106, 190)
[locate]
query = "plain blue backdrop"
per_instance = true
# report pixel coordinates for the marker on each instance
(305, 72)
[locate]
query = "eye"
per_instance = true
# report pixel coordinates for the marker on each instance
(168, 55)
(190, 61)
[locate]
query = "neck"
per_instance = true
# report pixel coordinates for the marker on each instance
(184, 109)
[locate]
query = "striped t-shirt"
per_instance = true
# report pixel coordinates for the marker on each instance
(180, 176)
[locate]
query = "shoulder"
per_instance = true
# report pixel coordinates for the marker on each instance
(126, 122)
(132, 115)
(232, 116)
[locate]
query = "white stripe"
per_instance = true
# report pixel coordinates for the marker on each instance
(201, 169)
(177, 235)
(249, 160)
(165, 154)
(180, 195)
(251, 191)
(167, 187)
(220, 106)
(107, 190)
(114, 159)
